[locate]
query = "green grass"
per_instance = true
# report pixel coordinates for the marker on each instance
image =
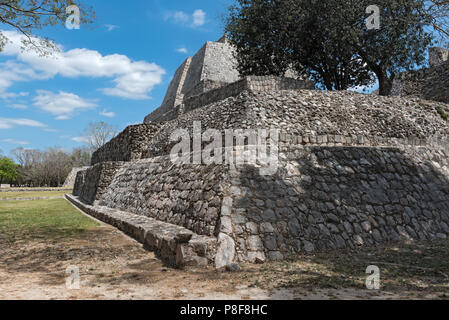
(41, 220)
(443, 114)
(31, 194)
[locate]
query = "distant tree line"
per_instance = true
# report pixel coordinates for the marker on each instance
(48, 168)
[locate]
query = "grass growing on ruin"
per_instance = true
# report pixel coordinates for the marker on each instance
(443, 114)
(41, 220)
(31, 194)
(419, 267)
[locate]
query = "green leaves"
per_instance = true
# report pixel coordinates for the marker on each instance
(8, 170)
(28, 16)
(329, 40)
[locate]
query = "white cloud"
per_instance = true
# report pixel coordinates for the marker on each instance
(182, 50)
(105, 113)
(196, 19)
(111, 27)
(199, 18)
(81, 139)
(16, 142)
(8, 123)
(63, 105)
(18, 106)
(132, 79)
(180, 16)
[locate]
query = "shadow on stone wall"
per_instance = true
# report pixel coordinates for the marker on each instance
(326, 198)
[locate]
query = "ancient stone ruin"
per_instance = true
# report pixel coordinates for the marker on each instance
(70, 180)
(352, 170)
(428, 83)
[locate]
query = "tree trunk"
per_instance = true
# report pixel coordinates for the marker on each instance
(385, 84)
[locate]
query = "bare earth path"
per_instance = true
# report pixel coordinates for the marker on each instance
(113, 266)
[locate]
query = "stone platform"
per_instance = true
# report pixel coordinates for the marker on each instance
(353, 170)
(176, 246)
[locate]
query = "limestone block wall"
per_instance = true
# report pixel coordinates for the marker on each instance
(212, 66)
(428, 83)
(251, 83)
(174, 95)
(70, 180)
(204, 86)
(344, 117)
(323, 197)
(91, 183)
(128, 145)
(79, 182)
(438, 56)
(326, 198)
(189, 195)
(220, 64)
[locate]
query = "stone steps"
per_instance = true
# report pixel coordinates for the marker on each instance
(176, 246)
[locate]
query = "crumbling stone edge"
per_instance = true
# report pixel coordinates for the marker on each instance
(176, 246)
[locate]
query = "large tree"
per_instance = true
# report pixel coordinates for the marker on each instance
(27, 16)
(258, 35)
(401, 42)
(330, 39)
(273, 35)
(8, 170)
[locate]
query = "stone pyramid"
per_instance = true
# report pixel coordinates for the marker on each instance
(351, 170)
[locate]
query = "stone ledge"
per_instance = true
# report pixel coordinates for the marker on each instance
(176, 246)
(32, 199)
(34, 189)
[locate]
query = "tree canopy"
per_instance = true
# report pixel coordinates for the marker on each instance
(26, 16)
(330, 40)
(8, 170)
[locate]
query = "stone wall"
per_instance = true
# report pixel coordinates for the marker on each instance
(326, 198)
(354, 170)
(70, 180)
(175, 246)
(128, 145)
(321, 198)
(344, 117)
(174, 95)
(428, 83)
(188, 196)
(251, 83)
(90, 184)
(204, 86)
(438, 56)
(220, 64)
(212, 66)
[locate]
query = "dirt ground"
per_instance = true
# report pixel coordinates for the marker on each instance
(113, 266)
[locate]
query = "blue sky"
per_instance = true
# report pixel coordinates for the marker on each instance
(115, 71)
